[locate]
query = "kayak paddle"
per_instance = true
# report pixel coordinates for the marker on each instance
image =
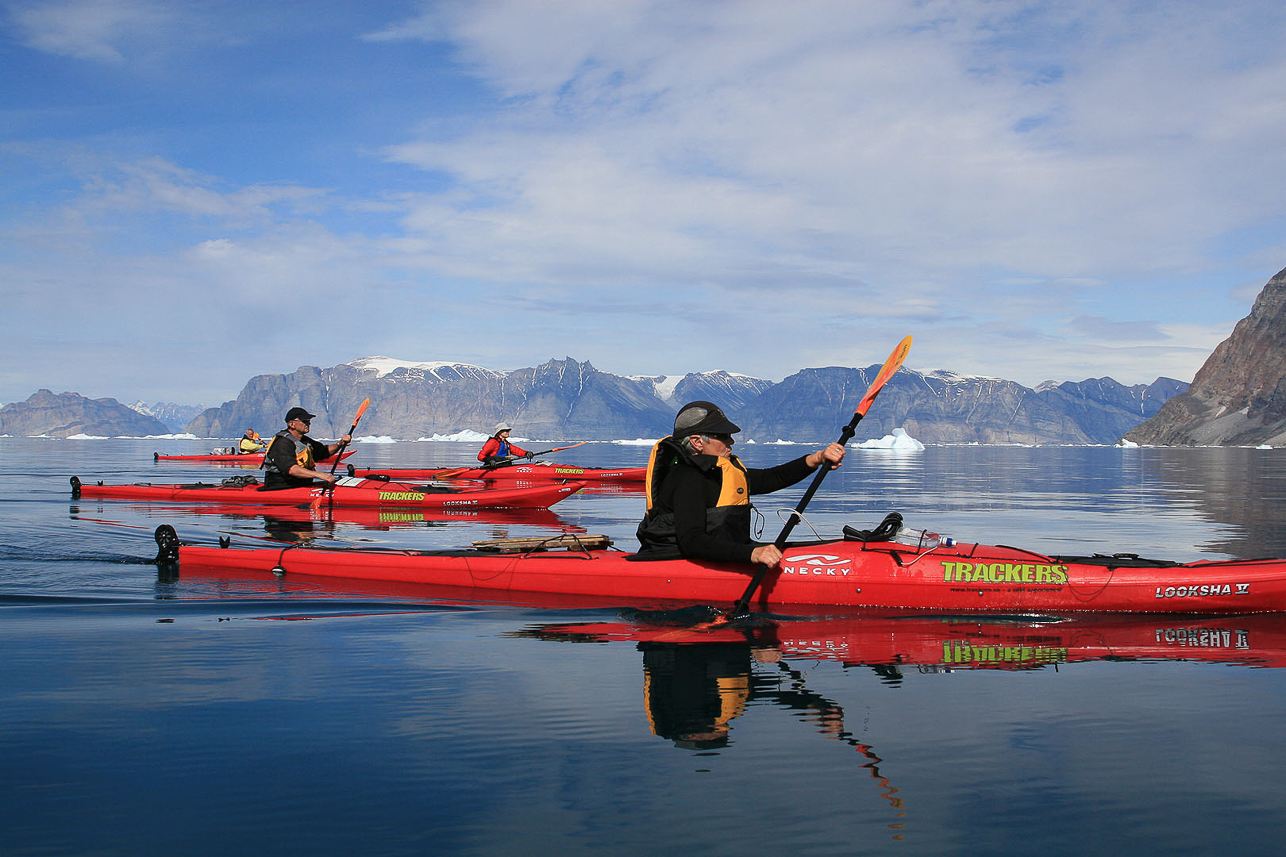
(339, 452)
(742, 607)
(447, 474)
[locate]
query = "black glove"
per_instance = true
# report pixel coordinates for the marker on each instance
(529, 456)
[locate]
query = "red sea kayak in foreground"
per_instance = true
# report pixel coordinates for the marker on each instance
(514, 472)
(349, 492)
(255, 458)
(879, 575)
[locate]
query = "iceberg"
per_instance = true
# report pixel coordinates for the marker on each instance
(463, 436)
(899, 441)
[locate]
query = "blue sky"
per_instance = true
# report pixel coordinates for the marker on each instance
(198, 192)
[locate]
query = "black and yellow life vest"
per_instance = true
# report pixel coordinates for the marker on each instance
(729, 517)
(303, 456)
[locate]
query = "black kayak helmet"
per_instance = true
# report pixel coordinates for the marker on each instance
(702, 418)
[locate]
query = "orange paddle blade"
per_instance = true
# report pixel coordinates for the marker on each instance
(886, 372)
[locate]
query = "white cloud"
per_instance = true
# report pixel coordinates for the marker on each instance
(879, 141)
(92, 30)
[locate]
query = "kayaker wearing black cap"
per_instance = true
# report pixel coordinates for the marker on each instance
(698, 492)
(292, 455)
(497, 448)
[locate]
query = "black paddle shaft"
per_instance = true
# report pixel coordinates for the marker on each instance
(743, 603)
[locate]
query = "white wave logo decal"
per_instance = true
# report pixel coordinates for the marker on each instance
(819, 564)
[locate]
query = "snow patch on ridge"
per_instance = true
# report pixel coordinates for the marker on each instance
(385, 365)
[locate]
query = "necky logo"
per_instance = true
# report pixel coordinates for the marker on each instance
(818, 559)
(819, 564)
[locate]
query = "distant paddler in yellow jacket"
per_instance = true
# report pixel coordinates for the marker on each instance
(250, 443)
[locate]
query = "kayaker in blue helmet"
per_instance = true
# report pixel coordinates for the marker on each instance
(498, 448)
(698, 492)
(291, 459)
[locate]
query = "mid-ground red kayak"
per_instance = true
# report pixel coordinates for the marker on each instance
(255, 458)
(348, 492)
(880, 575)
(514, 472)
(366, 517)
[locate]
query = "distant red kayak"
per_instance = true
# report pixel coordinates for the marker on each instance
(540, 472)
(255, 458)
(349, 492)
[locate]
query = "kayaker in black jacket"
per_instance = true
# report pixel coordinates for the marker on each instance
(698, 492)
(291, 459)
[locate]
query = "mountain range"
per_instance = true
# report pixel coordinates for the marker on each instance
(567, 399)
(1238, 398)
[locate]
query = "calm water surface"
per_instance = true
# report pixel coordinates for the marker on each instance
(143, 714)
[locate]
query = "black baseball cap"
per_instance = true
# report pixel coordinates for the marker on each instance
(703, 418)
(299, 414)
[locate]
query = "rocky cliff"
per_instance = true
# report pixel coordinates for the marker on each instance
(1239, 395)
(565, 399)
(47, 415)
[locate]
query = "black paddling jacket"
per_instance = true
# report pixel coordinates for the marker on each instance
(698, 506)
(283, 453)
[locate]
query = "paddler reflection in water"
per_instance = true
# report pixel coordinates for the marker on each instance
(698, 492)
(291, 459)
(694, 691)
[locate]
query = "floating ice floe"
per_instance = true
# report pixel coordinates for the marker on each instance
(374, 439)
(899, 441)
(638, 441)
(462, 436)
(1127, 444)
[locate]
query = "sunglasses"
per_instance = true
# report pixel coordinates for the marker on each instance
(725, 439)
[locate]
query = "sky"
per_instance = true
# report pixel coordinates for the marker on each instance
(194, 193)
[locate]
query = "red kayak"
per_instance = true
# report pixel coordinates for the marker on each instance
(368, 517)
(255, 458)
(539, 472)
(878, 575)
(348, 492)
